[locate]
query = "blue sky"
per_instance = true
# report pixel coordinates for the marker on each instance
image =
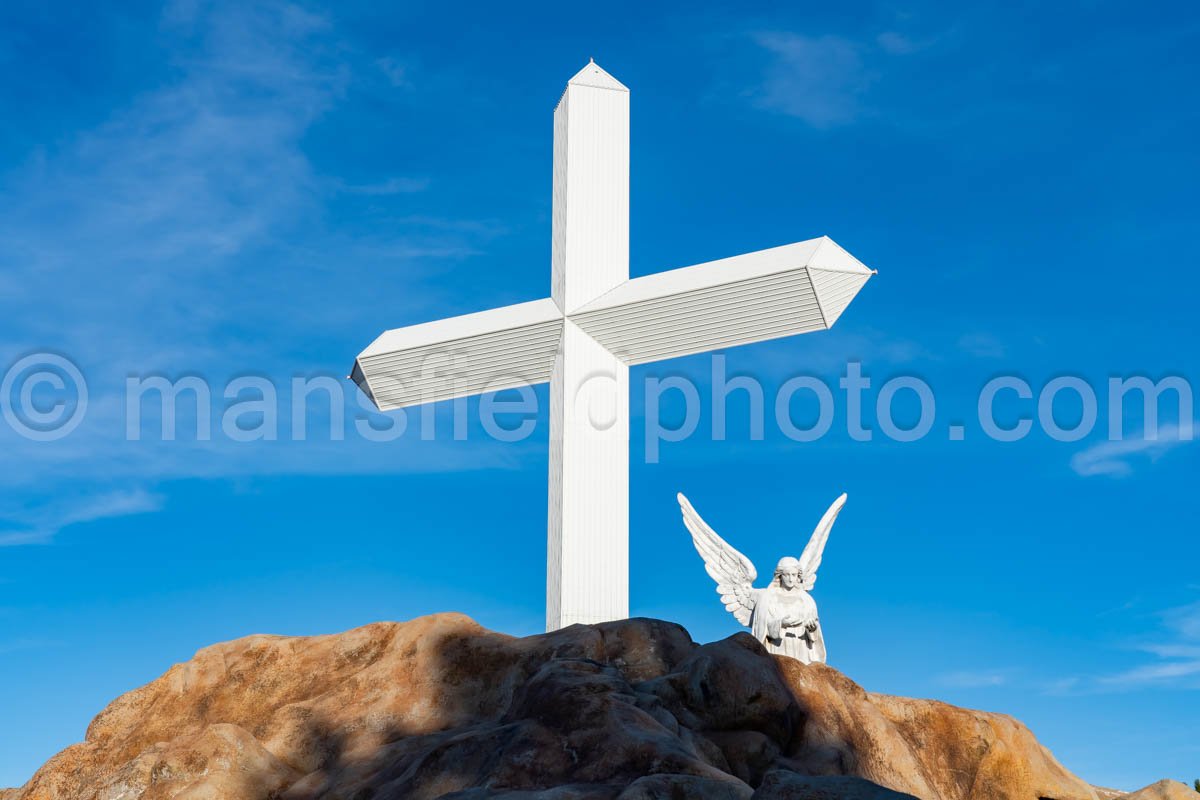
(225, 190)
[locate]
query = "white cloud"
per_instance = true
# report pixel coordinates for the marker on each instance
(41, 524)
(1154, 673)
(1113, 458)
(897, 43)
(1185, 621)
(818, 79)
(982, 345)
(388, 187)
(900, 44)
(1170, 656)
(147, 208)
(969, 679)
(1178, 660)
(874, 348)
(831, 80)
(188, 233)
(1062, 686)
(395, 71)
(19, 645)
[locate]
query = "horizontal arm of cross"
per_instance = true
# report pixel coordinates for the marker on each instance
(483, 352)
(764, 295)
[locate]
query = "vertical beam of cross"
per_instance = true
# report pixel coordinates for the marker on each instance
(587, 571)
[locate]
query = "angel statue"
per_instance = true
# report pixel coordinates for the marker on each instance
(783, 616)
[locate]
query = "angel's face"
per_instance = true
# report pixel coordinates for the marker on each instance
(789, 578)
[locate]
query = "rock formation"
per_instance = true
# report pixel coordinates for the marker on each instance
(440, 707)
(1163, 790)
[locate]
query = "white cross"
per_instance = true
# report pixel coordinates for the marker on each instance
(597, 323)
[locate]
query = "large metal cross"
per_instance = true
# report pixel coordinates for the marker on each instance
(584, 337)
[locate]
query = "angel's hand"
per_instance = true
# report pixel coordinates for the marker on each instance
(812, 626)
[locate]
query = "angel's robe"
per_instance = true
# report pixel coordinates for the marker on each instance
(773, 607)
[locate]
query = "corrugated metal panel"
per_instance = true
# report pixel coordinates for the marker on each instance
(488, 351)
(554, 515)
(708, 275)
(558, 213)
(587, 576)
(590, 221)
(725, 303)
(705, 319)
(444, 330)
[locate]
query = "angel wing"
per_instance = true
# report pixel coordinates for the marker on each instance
(732, 571)
(810, 560)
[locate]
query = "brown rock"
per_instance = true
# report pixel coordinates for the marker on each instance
(685, 787)
(784, 785)
(221, 761)
(1164, 790)
(589, 791)
(922, 747)
(440, 707)
(748, 754)
(727, 686)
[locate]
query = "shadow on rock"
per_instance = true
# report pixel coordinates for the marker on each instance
(439, 707)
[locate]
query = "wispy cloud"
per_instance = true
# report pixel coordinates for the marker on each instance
(161, 197)
(1155, 673)
(824, 80)
(1177, 657)
(388, 187)
(818, 79)
(1169, 653)
(875, 348)
(41, 524)
(973, 679)
(396, 71)
(982, 345)
(20, 645)
(190, 232)
(900, 44)
(1062, 686)
(1185, 621)
(1116, 459)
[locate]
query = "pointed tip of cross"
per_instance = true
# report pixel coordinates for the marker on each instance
(594, 75)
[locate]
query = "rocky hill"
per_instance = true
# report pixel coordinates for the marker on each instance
(440, 707)
(1165, 790)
